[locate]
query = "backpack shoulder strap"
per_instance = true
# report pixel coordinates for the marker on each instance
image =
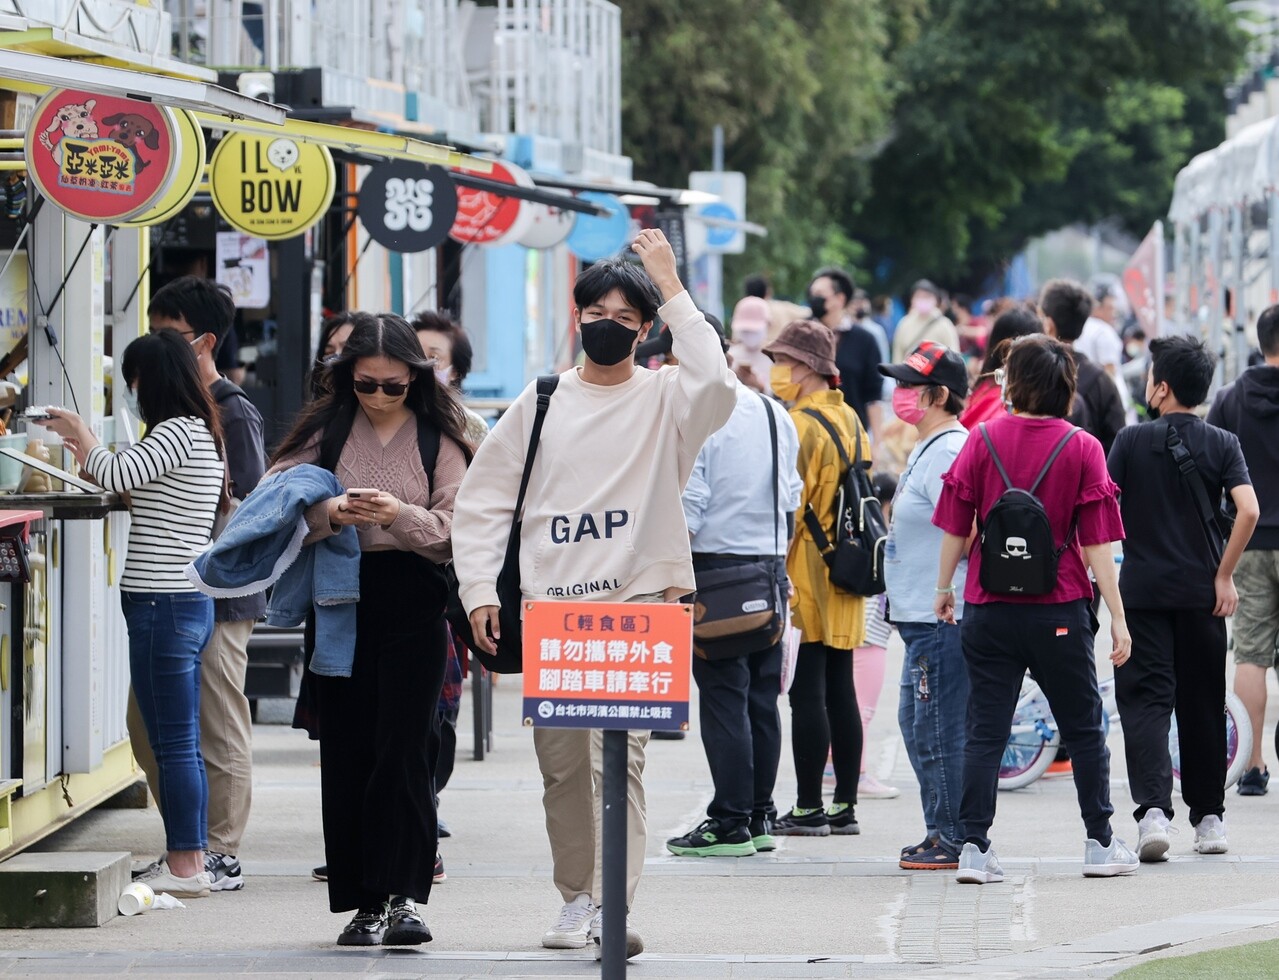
(1074, 431)
(834, 434)
(428, 447)
(772, 432)
(999, 464)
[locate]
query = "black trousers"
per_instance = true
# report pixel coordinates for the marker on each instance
(380, 834)
(825, 719)
(1054, 641)
(1178, 664)
(741, 732)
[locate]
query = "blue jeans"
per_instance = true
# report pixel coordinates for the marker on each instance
(931, 714)
(167, 631)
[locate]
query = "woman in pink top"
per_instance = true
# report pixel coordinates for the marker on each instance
(1051, 635)
(376, 776)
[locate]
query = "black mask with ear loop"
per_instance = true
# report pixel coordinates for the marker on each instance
(607, 342)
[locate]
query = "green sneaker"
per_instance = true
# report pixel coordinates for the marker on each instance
(761, 829)
(709, 839)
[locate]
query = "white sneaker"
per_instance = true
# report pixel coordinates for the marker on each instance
(1107, 862)
(978, 867)
(164, 881)
(634, 944)
(572, 928)
(1210, 835)
(1152, 836)
(870, 788)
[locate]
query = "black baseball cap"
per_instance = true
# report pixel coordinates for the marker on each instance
(931, 364)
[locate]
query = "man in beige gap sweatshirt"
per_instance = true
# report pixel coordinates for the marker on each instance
(602, 522)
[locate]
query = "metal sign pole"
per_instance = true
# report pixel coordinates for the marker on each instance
(613, 942)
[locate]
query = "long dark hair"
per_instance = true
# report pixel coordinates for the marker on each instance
(169, 385)
(332, 415)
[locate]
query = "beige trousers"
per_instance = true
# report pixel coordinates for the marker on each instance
(571, 760)
(226, 735)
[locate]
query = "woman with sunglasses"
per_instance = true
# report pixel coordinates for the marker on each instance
(379, 815)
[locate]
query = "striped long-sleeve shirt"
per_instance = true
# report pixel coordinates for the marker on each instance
(174, 478)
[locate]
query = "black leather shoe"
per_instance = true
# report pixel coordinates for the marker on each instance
(404, 926)
(366, 929)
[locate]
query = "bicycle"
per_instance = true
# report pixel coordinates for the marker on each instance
(1033, 739)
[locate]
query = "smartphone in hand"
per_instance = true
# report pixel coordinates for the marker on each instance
(362, 494)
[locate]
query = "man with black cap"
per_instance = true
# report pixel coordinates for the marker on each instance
(925, 321)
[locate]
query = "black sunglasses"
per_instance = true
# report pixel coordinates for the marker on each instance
(393, 388)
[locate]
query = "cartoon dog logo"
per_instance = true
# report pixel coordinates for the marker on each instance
(129, 129)
(74, 120)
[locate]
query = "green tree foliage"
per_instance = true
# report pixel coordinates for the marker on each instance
(801, 91)
(1014, 119)
(926, 136)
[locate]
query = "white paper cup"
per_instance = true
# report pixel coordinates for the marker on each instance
(138, 897)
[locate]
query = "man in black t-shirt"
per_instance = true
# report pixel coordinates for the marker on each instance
(1177, 587)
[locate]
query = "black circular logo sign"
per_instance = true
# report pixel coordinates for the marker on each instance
(406, 206)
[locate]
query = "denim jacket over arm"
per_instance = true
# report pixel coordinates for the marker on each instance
(263, 546)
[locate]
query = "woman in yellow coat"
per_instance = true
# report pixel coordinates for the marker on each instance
(824, 715)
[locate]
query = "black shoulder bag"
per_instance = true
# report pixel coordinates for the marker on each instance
(1216, 524)
(739, 608)
(509, 658)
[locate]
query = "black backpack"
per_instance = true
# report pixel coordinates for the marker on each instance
(1018, 553)
(856, 556)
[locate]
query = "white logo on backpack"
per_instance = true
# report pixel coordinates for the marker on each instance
(1016, 548)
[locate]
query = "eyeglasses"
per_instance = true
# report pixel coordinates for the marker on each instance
(392, 388)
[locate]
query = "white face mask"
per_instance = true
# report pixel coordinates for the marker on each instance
(130, 399)
(444, 375)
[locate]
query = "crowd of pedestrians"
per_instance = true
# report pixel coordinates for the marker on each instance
(753, 460)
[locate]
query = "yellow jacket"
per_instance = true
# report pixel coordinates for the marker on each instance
(823, 613)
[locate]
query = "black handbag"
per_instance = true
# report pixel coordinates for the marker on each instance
(509, 658)
(739, 608)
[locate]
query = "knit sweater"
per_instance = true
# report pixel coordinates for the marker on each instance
(423, 526)
(602, 518)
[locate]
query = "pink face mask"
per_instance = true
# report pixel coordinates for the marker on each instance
(906, 405)
(923, 304)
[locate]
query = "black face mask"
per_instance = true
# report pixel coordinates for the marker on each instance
(607, 342)
(818, 305)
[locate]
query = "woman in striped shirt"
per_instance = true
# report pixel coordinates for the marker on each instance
(176, 483)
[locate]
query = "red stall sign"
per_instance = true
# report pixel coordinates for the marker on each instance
(620, 665)
(101, 158)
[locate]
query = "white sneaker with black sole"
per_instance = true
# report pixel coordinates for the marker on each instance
(1153, 838)
(1210, 835)
(225, 871)
(572, 930)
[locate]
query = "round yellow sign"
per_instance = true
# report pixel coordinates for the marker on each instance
(271, 187)
(188, 169)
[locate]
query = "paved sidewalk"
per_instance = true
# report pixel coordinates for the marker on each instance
(817, 907)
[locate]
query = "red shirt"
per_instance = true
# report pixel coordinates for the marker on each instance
(1077, 488)
(985, 403)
